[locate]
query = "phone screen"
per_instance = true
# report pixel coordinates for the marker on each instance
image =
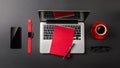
(16, 38)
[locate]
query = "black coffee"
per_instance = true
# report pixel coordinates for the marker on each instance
(100, 29)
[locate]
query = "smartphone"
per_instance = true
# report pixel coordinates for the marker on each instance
(15, 38)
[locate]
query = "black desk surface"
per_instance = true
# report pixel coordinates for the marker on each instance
(16, 13)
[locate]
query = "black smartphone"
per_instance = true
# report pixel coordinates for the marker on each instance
(15, 38)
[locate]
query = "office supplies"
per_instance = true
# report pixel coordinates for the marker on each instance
(47, 22)
(62, 40)
(16, 40)
(99, 30)
(100, 49)
(30, 36)
(68, 52)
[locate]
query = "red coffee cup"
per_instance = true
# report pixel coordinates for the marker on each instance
(99, 30)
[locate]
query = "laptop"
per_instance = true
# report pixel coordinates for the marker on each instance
(76, 21)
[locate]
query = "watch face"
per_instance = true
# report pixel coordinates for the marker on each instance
(15, 38)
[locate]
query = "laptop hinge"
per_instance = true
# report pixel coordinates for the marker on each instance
(62, 21)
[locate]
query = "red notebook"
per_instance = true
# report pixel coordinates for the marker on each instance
(62, 40)
(58, 14)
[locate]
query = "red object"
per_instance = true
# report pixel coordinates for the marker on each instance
(29, 38)
(98, 35)
(60, 14)
(62, 40)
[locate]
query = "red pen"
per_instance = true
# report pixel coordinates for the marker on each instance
(29, 36)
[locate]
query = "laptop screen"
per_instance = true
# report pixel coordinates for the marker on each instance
(62, 15)
(59, 15)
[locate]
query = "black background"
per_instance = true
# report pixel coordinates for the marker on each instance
(16, 13)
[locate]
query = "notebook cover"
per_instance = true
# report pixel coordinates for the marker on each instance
(62, 40)
(62, 14)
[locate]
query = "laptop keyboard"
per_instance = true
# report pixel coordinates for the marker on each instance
(48, 31)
